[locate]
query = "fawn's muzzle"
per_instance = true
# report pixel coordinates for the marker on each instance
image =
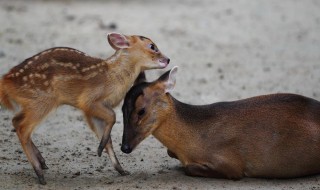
(165, 60)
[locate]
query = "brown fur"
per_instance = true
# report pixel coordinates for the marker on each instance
(271, 136)
(4, 99)
(67, 76)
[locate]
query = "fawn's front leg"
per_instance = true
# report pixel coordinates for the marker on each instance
(101, 119)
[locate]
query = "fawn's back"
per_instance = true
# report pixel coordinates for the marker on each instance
(59, 73)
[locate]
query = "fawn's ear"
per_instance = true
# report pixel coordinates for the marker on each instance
(168, 79)
(118, 41)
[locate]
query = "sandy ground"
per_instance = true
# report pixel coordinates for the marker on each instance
(225, 50)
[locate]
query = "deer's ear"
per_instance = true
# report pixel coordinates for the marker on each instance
(168, 80)
(171, 82)
(118, 41)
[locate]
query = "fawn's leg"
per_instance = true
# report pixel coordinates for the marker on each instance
(15, 121)
(39, 156)
(98, 119)
(24, 123)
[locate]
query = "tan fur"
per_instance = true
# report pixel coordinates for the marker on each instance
(271, 136)
(4, 99)
(67, 76)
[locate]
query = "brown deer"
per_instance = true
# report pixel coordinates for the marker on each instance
(67, 76)
(270, 136)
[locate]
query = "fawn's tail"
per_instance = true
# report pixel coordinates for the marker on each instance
(4, 98)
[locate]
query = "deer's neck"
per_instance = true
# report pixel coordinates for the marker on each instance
(173, 132)
(120, 63)
(122, 72)
(185, 128)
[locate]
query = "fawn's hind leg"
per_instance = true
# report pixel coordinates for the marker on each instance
(24, 123)
(15, 121)
(39, 156)
(101, 119)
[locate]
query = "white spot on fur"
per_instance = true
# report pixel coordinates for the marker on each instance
(85, 69)
(45, 52)
(44, 66)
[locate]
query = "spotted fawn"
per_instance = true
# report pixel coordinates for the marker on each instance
(67, 76)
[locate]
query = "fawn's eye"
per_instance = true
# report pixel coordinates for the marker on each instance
(141, 112)
(153, 47)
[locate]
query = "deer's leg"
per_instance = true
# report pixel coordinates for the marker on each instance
(172, 154)
(199, 170)
(222, 168)
(101, 120)
(24, 123)
(114, 158)
(39, 156)
(15, 121)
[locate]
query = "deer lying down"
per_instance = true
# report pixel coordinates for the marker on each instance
(270, 136)
(67, 76)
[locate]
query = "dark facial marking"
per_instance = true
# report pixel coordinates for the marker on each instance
(127, 109)
(130, 99)
(165, 76)
(143, 38)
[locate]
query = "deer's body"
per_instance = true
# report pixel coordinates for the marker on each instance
(271, 136)
(67, 76)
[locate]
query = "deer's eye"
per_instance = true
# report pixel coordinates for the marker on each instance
(153, 47)
(141, 112)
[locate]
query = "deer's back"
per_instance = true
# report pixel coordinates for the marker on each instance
(53, 72)
(273, 136)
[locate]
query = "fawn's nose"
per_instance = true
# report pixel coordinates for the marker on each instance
(126, 148)
(165, 60)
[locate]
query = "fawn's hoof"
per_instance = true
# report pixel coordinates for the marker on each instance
(42, 181)
(124, 173)
(44, 166)
(100, 149)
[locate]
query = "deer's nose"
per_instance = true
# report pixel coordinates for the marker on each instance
(126, 148)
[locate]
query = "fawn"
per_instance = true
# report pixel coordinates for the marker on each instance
(270, 136)
(67, 76)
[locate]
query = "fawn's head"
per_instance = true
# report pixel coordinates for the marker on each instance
(140, 50)
(145, 107)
